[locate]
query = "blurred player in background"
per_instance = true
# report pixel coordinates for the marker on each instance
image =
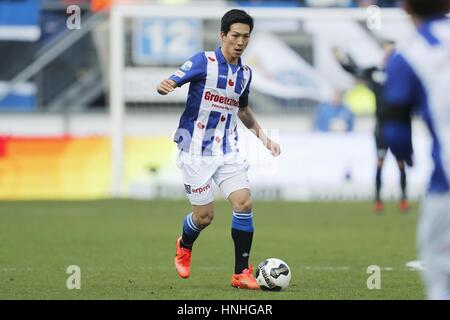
(375, 77)
(207, 138)
(418, 80)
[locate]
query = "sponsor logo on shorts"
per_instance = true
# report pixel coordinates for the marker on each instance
(200, 190)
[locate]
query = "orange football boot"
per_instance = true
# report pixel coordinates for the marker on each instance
(378, 206)
(183, 260)
(404, 206)
(245, 280)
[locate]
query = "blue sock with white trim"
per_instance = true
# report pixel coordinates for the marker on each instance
(242, 234)
(190, 232)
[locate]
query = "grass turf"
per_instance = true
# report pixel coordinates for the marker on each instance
(125, 250)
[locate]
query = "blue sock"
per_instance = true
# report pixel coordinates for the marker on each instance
(190, 232)
(242, 221)
(242, 234)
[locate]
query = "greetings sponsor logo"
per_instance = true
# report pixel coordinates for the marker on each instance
(221, 99)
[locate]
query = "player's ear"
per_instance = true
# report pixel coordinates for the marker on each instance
(222, 35)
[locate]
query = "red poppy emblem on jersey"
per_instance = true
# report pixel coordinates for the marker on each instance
(211, 59)
(200, 125)
(230, 83)
(222, 118)
(218, 139)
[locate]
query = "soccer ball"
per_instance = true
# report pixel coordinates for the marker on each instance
(273, 274)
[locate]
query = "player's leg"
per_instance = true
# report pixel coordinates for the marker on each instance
(381, 154)
(378, 178)
(404, 204)
(433, 243)
(242, 234)
(378, 206)
(201, 198)
(200, 217)
(241, 227)
(232, 179)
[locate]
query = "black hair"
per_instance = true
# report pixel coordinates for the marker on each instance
(235, 16)
(428, 8)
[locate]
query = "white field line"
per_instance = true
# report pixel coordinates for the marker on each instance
(210, 268)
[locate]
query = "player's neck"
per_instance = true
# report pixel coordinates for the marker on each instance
(228, 58)
(417, 21)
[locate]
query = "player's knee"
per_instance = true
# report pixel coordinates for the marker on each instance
(244, 205)
(204, 219)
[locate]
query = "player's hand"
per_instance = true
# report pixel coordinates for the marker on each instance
(166, 86)
(340, 55)
(273, 147)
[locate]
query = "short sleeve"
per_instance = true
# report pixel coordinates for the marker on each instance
(192, 70)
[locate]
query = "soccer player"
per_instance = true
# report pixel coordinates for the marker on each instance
(207, 140)
(418, 81)
(374, 77)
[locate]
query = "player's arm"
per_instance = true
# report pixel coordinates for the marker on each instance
(400, 97)
(348, 64)
(192, 70)
(248, 119)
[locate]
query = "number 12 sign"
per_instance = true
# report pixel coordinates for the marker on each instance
(165, 41)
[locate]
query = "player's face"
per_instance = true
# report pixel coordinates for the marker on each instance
(235, 41)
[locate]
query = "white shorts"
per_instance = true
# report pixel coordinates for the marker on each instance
(433, 243)
(229, 172)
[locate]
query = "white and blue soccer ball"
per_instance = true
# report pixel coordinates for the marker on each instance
(273, 274)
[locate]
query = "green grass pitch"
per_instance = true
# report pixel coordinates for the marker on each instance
(125, 250)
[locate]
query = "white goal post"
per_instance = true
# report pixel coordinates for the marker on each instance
(120, 12)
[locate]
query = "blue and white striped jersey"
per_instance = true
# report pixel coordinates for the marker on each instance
(208, 125)
(418, 76)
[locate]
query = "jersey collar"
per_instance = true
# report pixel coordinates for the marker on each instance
(222, 59)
